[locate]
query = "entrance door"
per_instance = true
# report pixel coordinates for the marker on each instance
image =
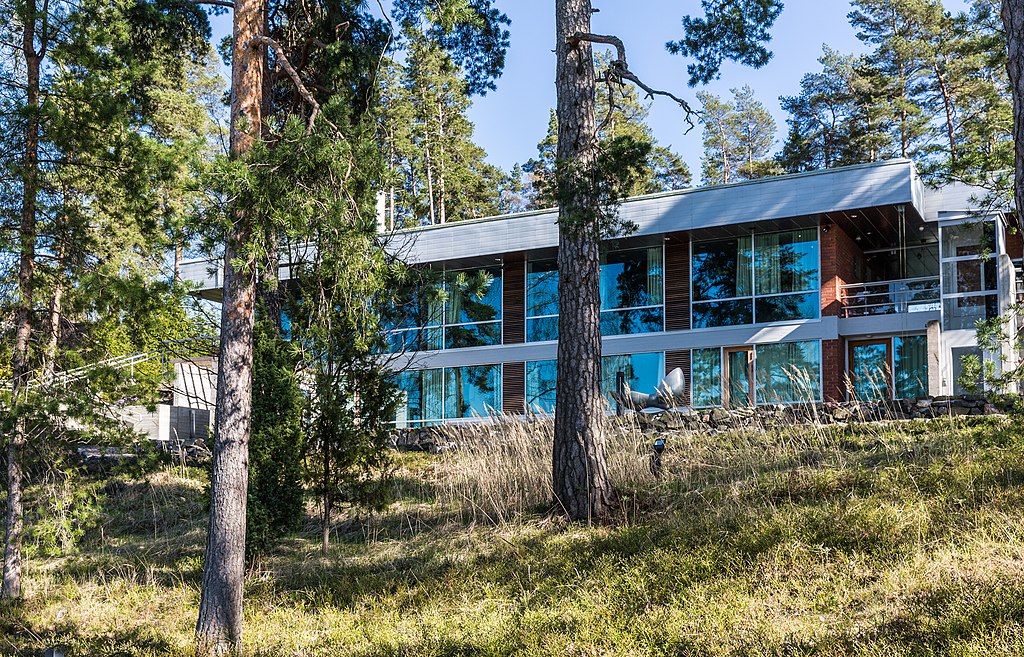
(738, 377)
(870, 369)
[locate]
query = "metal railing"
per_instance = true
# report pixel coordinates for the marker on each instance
(907, 295)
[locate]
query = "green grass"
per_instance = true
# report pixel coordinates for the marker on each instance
(900, 539)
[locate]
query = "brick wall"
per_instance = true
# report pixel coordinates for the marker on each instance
(841, 259)
(1015, 244)
(833, 369)
(677, 283)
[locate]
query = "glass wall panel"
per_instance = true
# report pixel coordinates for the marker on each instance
(786, 262)
(632, 294)
(706, 377)
(969, 239)
(721, 269)
(541, 288)
(472, 335)
(869, 368)
(727, 273)
(423, 393)
(787, 307)
(723, 313)
(910, 366)
(966, 312)
(637, 320)
(642, 372)
(541, 329)
(963, 276)
(540, 386)
(632, 279)
(788, 372)
(472, 391)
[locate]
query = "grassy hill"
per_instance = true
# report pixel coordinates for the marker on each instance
(882, 539)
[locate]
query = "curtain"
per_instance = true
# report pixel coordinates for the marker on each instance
(743, 264)
(768, 274)
(655, 276)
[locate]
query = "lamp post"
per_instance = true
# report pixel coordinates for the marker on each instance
(659, 448)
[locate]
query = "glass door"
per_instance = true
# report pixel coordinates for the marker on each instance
(870, 369)
(738, 377)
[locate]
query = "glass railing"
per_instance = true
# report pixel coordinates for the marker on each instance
(907, 295)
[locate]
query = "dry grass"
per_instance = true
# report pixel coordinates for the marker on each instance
(883, 539)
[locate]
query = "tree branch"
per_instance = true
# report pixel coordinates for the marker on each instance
(283, 62)
(618, 71)
(219, 3)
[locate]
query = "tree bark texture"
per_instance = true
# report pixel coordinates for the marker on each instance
(11, 587)
(219, 628)
(1013, 21)
(580, 475)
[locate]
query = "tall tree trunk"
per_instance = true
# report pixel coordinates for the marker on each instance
(428, 164)
(11, 587)
(391, 178)
(442, 208)
(947, 106)
(1013, 21)
(219, 627)
(580, 474)
(53, 327)
(325, 520)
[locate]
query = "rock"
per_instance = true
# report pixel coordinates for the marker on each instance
(719, 415)
(924, 403)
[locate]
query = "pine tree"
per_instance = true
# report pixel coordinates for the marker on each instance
(738, 136)
(108, 100)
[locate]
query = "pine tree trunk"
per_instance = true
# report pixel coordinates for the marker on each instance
(219, 628)
(430, 180)
(53, 327)
(947, 106)
(11, 587)
(443, 213)
(1013, 21)
(580, 475)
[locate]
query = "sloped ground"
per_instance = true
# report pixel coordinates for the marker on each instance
(883, 539)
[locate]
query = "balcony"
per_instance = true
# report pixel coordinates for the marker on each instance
(907, 295)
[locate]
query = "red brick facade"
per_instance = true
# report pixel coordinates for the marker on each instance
(841, 262)
(833, 370)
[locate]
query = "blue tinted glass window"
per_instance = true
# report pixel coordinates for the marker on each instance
(540, 386)
(636, 320)
(787, 307)
(786, 262)
(542, 329)
(721, 269)
(788, 372)
(472, 391)
(472, 335)
(642, 372)
(706, 377)
(910, 362)
(632, 279)
(472, 296)
(723, 313)
(869, 369)
(541, 288)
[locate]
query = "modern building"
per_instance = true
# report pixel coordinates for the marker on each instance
(851, 282)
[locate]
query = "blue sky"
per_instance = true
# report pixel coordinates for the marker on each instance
(510, 121)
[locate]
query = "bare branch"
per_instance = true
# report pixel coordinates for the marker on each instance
(219, 3)
(618, 71)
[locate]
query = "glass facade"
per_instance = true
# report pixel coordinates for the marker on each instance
(970, 280)
(450, 393)
(769, 277)
(889, 368)
(784, 372)
(632, 294)
(642, 372)
(463, 310)
(788, 372)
